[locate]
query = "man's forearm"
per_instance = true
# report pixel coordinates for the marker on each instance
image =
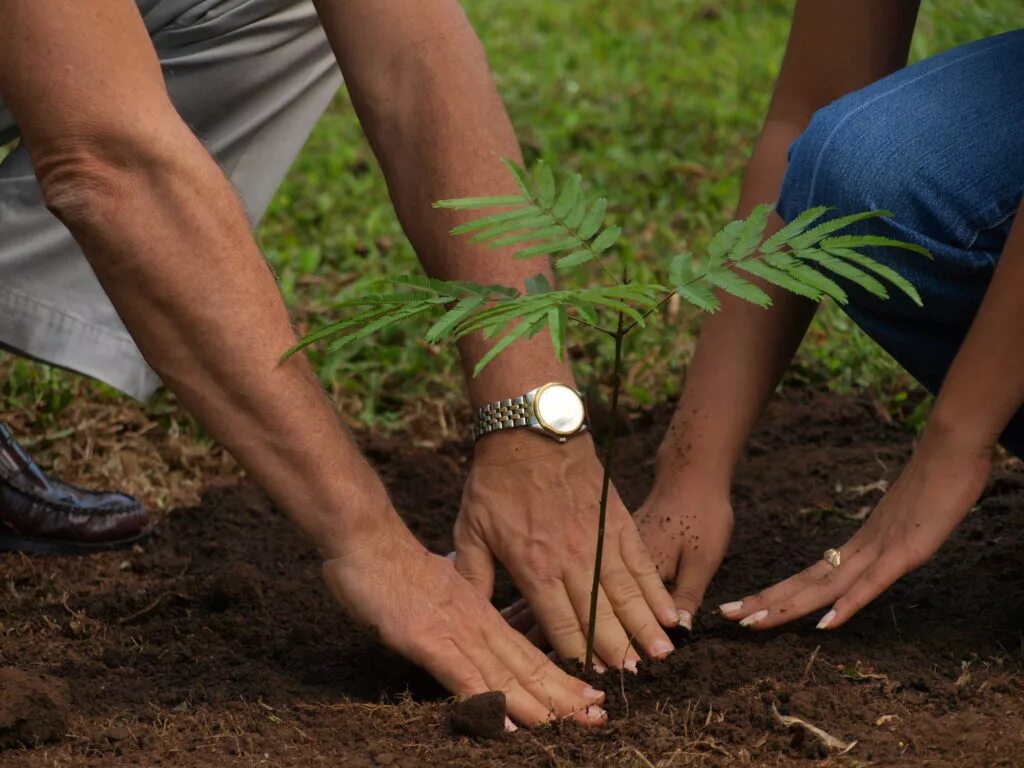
(171, 246)
(437, 125)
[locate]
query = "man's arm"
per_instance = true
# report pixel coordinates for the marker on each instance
(420, 82)
(835, 47)
(170, 243)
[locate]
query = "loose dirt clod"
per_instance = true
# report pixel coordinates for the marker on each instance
(481, 716)
(33, 708)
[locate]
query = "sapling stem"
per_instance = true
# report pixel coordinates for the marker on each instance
(609, 453)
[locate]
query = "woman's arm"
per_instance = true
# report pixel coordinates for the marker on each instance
(835, 47)
(945, 475)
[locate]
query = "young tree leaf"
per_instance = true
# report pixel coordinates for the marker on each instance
(730, 282)
(530, 325)
(850, 272)
(677, 268)
(574, 259)
(699, 295)
(812, 277)
(572, 190)
(872, 241)
(525, 225)
(545, 185)
(575, 217)
(549, 247)
(519, 174)
(724, 241)
(476, 203)
(493, 220)
(606, 239)
(380, 324)
(447, 322)
(812, 236)
(557, 321)
(597, 297)
(539, 283)
(593, 219)
(750, 234)
(882, 270)
(543, 233)
(777, 277)
(793, 228)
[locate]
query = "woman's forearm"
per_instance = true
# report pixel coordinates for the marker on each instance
(985, 385)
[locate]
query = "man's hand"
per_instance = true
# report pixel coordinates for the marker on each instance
(935, 491)
(533, 505)
(686, 529)
(422, 608)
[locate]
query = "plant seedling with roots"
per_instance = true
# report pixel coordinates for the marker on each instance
(559, 220)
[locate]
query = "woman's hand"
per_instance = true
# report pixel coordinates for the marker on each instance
(941, 483)
(686, 530)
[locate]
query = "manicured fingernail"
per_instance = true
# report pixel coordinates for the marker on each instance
(510, 727)
(630, 665)
(686, 620)
(753, 618)
(594, 712)
(593, 694)
(661, 648)
(599, 667)
(826, 619)
(731, 607)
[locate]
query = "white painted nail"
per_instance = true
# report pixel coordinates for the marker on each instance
(753, 618)
(731, 607)
(686, 620)
(510, 727)
(594, 712)
(827, 619)
(630, 665)
(599, 666)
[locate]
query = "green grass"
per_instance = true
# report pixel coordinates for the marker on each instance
(656, 103)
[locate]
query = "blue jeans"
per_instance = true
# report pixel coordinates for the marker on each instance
(941, 145)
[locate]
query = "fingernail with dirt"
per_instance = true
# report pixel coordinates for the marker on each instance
(661, 648)
(599, 667)
(753, 618)
(596, 714)
(728, 608)
(510, 727)
(826, 619)
(630, 665)
(686, 620)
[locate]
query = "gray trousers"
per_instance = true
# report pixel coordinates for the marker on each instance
(251, 78)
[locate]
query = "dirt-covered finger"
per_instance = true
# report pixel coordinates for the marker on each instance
(564, 694)
(627, 601)
(558, 620)
(611, 642)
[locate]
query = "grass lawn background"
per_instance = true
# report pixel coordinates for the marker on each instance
(657, 103)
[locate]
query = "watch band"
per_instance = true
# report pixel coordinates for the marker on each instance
(504, 414)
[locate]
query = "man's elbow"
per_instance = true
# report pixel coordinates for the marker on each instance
(86, 178)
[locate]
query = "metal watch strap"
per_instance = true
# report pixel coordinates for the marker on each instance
(504, 414)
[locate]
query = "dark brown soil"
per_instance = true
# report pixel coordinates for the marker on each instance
(215, 643)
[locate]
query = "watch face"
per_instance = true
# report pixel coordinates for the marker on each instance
(559, 409)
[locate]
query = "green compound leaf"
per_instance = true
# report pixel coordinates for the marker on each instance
(730, 282)
(850, 272)
(699, 295)
(594, 218)
(780, 278)
(882, 270)
(793, 228)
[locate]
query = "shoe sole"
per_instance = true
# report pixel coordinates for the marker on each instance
(15, 543)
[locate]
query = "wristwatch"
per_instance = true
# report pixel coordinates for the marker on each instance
(555, 410)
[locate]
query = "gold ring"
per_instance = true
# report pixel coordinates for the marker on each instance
(832, 557)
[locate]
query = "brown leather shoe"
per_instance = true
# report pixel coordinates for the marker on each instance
(50, 517)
